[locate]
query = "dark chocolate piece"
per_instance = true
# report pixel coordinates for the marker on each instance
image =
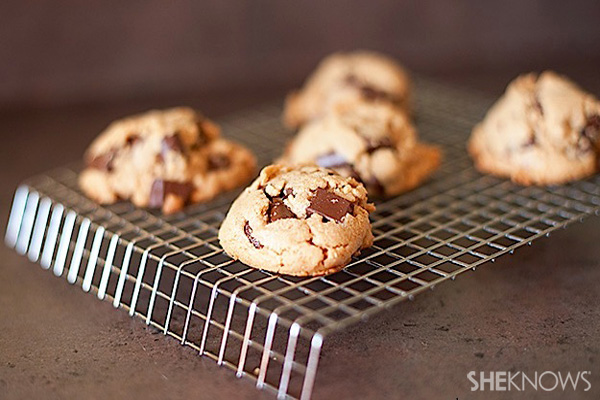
(172, 143)
(218, 161)
(278, 210)
(161, 188)
(251, 239)
(103, 162)
(329, 205)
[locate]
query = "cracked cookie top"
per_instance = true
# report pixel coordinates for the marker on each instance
(543, 130)
(298, 221)
(374, 143)
(174, 131)
(343, 77)
(163, 159)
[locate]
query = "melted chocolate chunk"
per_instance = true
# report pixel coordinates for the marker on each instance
(251, 239)
(103, 162)
(132, 139)
(278, 210)
(218, 161)
(374, 145)
(171, 143)
(594, 121)
(329, 205)
(161, 188)
(371, 93)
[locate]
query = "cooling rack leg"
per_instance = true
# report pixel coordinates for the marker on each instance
(138, 282)
(289, 359)
(246, 342)
(154, 291)
(264, 362)
(156, 286)
(173, 296)
(78, 252)
(232, 304)
(191, 303)
(65, 240)
(123, 274)
(16, 216)
(188, 315)
(27, 223)
(52, 236)
(91, 265)
(39, 229)
(226, 329)
(209, 311)
(211, 303)
(311, 366)
(110, 256)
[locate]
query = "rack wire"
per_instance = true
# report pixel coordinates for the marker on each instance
(172, 273)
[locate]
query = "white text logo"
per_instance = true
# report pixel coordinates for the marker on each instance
(519, 381)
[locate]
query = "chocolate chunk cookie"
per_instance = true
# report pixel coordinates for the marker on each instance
(347, 76)
(302, 221)
(372, 142)
(544, 130)
(164, 159)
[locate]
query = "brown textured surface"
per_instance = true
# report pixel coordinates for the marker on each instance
(536, 310)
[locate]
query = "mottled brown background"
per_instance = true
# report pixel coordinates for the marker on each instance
(69, 51)
(68, 68)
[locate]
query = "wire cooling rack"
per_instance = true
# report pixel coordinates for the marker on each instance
(172, 273)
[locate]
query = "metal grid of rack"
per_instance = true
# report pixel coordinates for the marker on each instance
(172, 273)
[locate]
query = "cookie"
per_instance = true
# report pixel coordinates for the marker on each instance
(164, 159)
(347, 76)
(544, 130)
(374, 143)
(298, 221)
